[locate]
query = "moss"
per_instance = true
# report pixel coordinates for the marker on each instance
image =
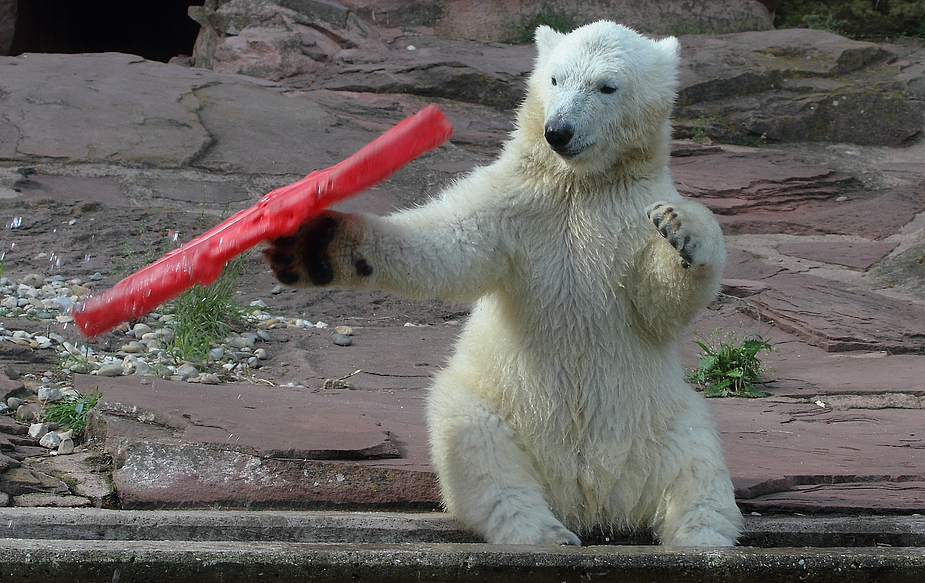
(522, 33)
(860, 19)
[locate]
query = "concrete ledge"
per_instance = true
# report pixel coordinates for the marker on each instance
(408, 527)
(54, 544)
(205, 562)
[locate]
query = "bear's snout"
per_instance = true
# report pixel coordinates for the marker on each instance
(558, 135)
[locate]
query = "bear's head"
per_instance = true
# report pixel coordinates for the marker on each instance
(600, 94)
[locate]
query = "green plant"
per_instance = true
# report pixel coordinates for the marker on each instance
(72, 413)
(729, 367)
(558, 21)
(203, 315)
(861, 19)
(699, 131)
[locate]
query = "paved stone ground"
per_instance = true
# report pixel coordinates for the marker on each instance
(826, 245)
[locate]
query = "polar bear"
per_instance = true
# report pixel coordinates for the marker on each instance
(564, 406)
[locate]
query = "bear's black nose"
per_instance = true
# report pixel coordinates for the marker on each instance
(558, 135)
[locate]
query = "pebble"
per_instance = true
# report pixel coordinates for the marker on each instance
(33, 280)
(140, 330)
(38, 430)
(345, 330)
(66, 447)
(14, 402)
(342, 339)
(25, 413)
(261, 354)
(216, 353)
(50, 440)
(4, 408)
(209, 378)
(187, 370)
(50, 395)
(277, 290)
(110, 370)
(96, 276)
(133, 347)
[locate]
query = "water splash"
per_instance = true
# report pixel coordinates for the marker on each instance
(15, 223)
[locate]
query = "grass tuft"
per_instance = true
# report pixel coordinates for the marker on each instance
(72, 413)
(205, 315)
(731, 368)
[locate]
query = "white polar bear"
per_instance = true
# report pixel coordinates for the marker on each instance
(565, 405)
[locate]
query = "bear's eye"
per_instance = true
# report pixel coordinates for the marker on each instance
(608, 89)
(553, 80)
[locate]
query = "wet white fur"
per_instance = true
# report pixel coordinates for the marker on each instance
(564, 406)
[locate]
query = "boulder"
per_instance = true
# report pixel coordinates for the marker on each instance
(507, 20)
(798, 85)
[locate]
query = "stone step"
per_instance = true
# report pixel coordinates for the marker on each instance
(231, 547)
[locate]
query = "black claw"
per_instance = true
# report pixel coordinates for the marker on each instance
(363, 268)
(281, 258)
(287, 277)
(657, 220)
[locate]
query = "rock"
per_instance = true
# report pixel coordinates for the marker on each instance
(187, 370)
(133, 347)
(241, 342)
(261, 354)
(216, 353)
(14, 402)
(96, 276)
(38, 430)
(4, 408)
(110, 370)
(50, 395)
(50, 440)
(277, 290)
(139, 330)
(341, 340)
(470, 19)
(33, 280)
(793, 85)
(209, 378)
(25, 413)
(23, 480)
(345, 330)
(66, 447)
(39, 499)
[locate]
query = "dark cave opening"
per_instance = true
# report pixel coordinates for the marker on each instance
(153, 29)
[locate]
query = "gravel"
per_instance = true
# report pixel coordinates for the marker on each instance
(145, 349)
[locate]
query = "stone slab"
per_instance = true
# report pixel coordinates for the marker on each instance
(71, 189)
(774, 447)
(860, 255)
(277, 422)
(733, 182)
(112, 107)
(837, 318)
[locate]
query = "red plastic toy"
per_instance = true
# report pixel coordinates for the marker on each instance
(277, 214)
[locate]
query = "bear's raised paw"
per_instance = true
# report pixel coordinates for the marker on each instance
(321, 252)
(690, 228)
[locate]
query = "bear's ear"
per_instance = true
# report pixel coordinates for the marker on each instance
(670, 49)
(546, 39)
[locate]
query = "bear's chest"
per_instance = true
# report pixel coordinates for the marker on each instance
(574, 265)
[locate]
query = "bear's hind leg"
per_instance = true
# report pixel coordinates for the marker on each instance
(698, 505)
(485, 477)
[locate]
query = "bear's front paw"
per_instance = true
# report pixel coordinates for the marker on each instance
(323, 248)
(690, 228)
